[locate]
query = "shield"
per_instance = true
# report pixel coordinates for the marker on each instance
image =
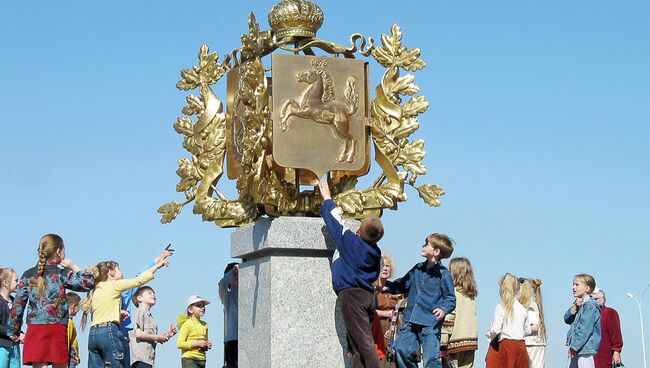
(319, 113)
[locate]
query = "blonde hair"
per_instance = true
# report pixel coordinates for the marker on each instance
(463, 275)
(388, 260)
(508, 289)
(47, 247)
(6, 275)
(100, 274)
(530, 292)
(587, 279)
(442, 242)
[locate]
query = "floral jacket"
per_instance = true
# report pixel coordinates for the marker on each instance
(52, 307)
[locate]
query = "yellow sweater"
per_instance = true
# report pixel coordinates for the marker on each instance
(107, 297)
(192, 330)
(73, 344)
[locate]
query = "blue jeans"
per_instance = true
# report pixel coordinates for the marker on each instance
(10, 357)
(409, 339)
(106, 347)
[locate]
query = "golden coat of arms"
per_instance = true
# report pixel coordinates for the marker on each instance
(309, 114)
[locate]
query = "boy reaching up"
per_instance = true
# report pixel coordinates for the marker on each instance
(355, 266)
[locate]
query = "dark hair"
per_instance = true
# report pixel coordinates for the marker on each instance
(371, 230)
(229, 267)
(139, 292)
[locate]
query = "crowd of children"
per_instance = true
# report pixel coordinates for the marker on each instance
(438, 323)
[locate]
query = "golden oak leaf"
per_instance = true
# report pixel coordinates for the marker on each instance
(403, 85)
(416, 105)
(406, 128)
(184, 125)
(169, 211)
(190, 80)
(194, 105)
(430, 193)
(410, 157)
(350, 202)
(410, 60)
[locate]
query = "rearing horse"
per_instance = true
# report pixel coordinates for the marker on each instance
(318, 104)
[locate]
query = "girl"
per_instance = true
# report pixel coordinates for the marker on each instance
(509, 326)
(530, 297)
(105, 304)
(583, 337)
(193, 334)
(9, 350)
(460, 327)
(43, 288)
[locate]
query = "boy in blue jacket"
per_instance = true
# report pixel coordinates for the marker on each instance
(355, 266)
(430, 290)
(583, 337)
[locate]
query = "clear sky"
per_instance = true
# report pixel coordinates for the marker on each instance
(538, 131)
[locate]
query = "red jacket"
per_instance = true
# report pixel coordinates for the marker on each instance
(611, 339)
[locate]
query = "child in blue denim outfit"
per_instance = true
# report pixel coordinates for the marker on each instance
(583, 337)
(431, 296)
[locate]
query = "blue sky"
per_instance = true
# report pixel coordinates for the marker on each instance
(538, 131)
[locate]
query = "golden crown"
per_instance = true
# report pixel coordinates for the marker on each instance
(295, 18)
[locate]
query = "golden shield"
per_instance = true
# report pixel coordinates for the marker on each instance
(319, 113)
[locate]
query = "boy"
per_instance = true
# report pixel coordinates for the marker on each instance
(74, 303)
(583, 337)
(144, 335)
(355, 266)
(229, 295)
(431, 296)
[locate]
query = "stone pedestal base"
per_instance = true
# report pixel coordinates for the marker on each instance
(288, 315)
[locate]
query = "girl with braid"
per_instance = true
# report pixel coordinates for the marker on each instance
(42, 291)
(105, 302)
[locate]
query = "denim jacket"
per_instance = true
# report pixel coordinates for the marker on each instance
(427, 290)
(51, 308)
(584, 333)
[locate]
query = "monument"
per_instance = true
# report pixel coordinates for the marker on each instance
(297, 108)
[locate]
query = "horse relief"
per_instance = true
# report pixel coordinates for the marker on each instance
(318, 103)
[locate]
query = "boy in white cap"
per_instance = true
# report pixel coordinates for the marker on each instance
(193, 333)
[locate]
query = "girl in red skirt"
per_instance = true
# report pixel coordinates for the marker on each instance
(41, 290)
(509, 326)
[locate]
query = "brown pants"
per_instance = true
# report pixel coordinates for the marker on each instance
(358, 309)
(507, 354)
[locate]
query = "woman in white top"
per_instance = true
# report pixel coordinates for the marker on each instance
(530, 296)
(508, 329)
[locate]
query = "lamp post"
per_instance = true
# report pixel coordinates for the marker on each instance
(631, 296)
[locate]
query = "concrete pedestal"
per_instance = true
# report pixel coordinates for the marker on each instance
(288, 315)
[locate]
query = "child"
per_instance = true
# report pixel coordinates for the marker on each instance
(229, 295)
(74, 302)
(510, 324)
(9, 350)
(583, 337)
(105, 306)
(144, 336)
(43, 288)
(355, 266)
(193, 334)
(126, 323)
(460, 326)
(530, 297)
(430, 291)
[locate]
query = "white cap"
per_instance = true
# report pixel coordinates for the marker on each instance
(195, 299)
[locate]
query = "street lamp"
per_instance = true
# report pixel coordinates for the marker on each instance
(631, 296)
